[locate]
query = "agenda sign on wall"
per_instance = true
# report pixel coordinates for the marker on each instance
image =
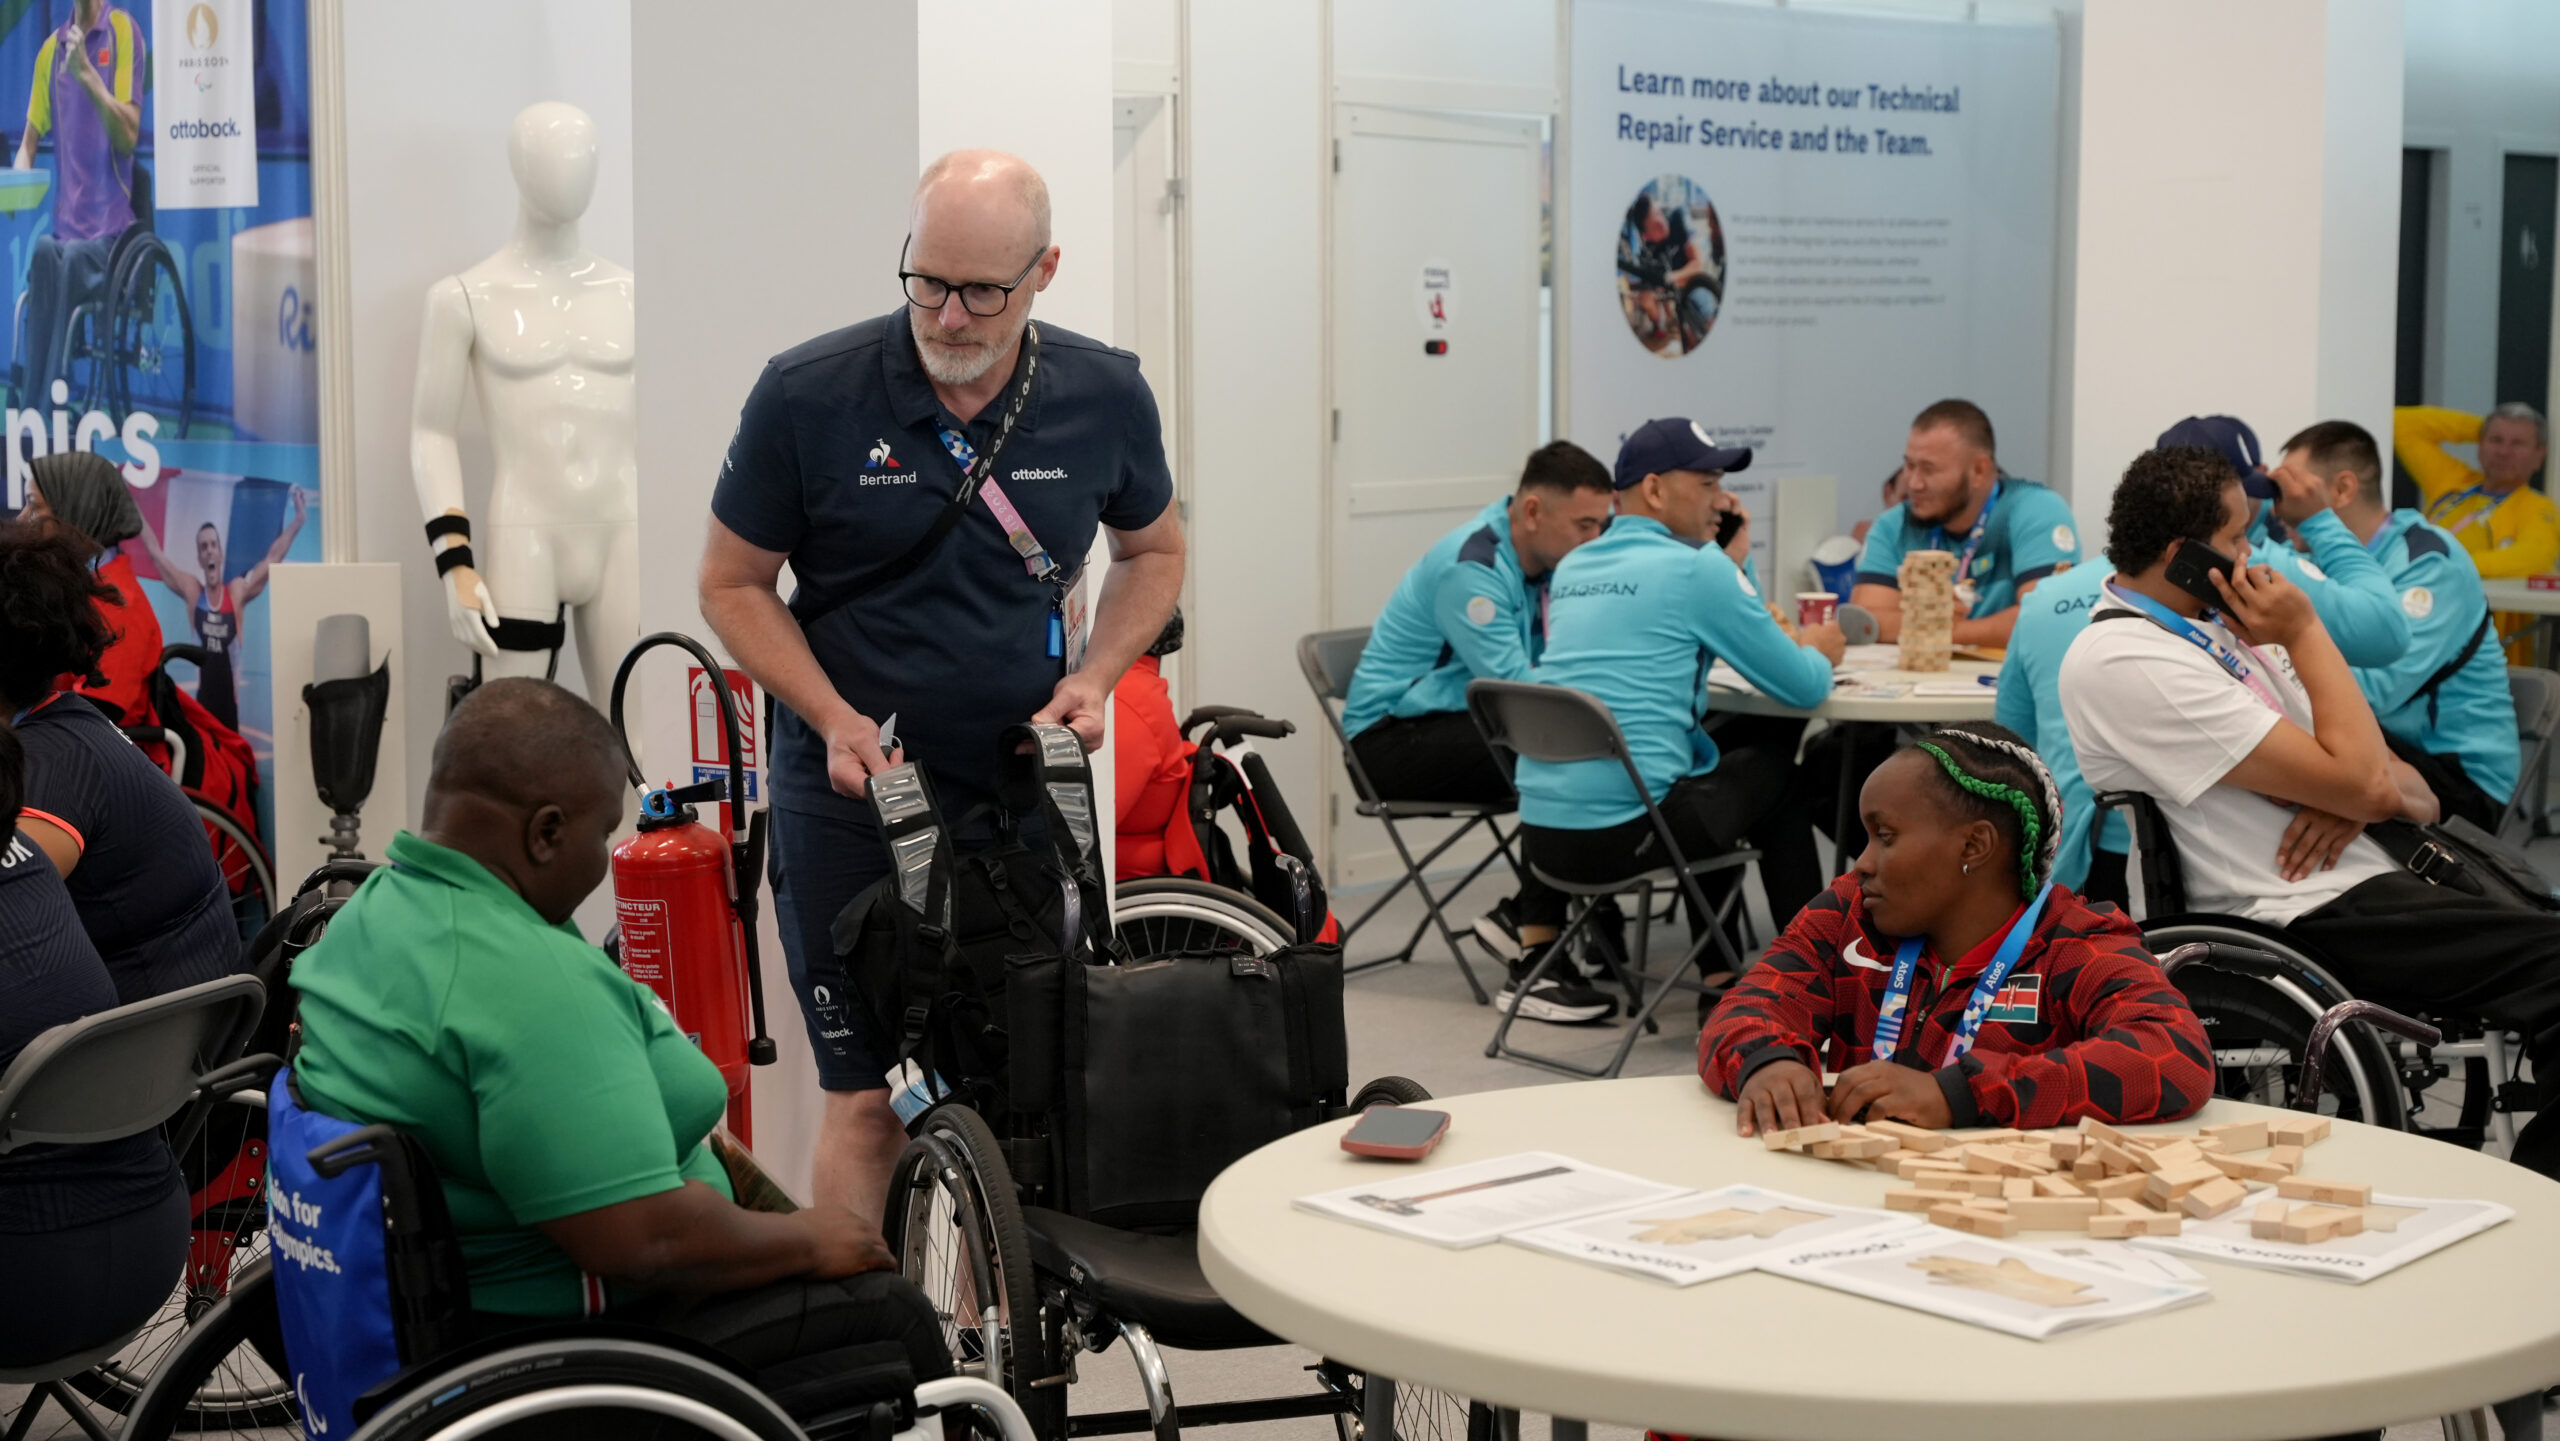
(1799, 228)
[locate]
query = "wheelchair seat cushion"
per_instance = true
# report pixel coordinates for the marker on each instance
(1153, 1280)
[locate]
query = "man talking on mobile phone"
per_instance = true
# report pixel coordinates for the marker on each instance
(953, 609)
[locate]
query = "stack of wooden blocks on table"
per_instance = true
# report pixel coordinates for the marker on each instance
(1928, 609)
(2107, 1183)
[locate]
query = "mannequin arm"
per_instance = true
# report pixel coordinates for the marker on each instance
(435, 451)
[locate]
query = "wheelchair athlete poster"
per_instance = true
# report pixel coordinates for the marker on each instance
(155, 222)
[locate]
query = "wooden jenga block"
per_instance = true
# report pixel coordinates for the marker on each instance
(2119, 1206)
(2349, 1220)
(2036, 1159)
(1999, 1137)
(1892, 1160)
(1850, 1148)
(1921, 1199)
(1915, 1167)
(2388, 1218)
(2241, 1168)
(2067, 1146)
(2089, 1167)
(2335, 1193)
(2289, 1157)
(2017, 1188)
(1912, 1137)
(2298, 1130)
(1990, 1203)
(2054, 1213)
(2058, 1184)
(1975, 1182)
(2118, 1227)
(2239, 1135)
(2174, 1156)
(2210, 1145)
(2213, 1198)
(2119, 1160)
(2096, 1129)
(1800, 1137)
(2267, 1221)
(2174, 1183)
(1975, 1220)
(2120, 1188)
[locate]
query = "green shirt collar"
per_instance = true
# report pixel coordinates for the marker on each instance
(417, 855)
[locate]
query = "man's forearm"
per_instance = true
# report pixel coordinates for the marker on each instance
(1991, 629)
(122, 119)
(2341, 720)
(769, 645)
(1137, 599)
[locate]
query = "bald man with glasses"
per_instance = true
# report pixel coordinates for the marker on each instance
(935, 478)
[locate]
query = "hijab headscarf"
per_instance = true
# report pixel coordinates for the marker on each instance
(87, 493)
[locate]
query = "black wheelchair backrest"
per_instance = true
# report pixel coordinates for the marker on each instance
(2164, 880)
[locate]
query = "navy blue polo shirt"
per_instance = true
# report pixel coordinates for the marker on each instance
(838, 463)
(150, 894)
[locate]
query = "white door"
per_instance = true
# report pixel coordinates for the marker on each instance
(1435, 360)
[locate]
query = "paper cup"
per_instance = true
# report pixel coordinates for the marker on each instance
(1816, 607)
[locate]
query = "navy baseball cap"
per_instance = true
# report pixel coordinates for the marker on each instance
(1675, 444)
(2233, 440)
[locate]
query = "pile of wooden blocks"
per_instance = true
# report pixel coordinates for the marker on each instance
(1928, 609)
(2107, 1183)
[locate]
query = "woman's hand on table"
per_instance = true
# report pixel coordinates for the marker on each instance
(1780, 1096)
(1888, 1091)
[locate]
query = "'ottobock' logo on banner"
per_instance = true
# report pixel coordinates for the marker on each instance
(204, 87)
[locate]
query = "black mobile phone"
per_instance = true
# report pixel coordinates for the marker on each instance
(1727, 523)
(2192, 568)
(1397, 1133)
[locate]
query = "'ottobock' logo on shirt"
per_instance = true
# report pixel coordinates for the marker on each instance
(1052, 473)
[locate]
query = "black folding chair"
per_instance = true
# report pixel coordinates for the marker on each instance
(1328, 659)
(1558, 726)
(110, 1075)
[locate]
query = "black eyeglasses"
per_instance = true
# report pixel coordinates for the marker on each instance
(980, 298)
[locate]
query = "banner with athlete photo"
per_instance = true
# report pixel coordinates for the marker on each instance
(155, 224)
(1798, 228)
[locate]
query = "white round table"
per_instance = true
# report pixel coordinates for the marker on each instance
(2517, 597)
(1846, 704)
(2267, 1356)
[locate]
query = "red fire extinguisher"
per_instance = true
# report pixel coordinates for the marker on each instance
(685, 900)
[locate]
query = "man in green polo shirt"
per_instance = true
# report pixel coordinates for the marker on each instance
(453, 1000)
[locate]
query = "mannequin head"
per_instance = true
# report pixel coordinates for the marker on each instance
(552, 151)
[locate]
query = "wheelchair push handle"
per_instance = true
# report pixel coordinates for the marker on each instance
(2215, 956)
(1227, 723)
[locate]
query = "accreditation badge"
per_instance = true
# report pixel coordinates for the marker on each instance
(1075, 612)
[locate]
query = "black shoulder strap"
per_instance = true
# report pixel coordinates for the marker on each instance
(1044, 768)
(811, 604)
(2117, 615)
(2445, 672)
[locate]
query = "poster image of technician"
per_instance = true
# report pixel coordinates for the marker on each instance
(1671, 265)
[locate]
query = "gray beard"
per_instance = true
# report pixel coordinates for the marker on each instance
(942, 363)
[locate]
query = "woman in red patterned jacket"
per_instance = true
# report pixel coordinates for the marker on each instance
(1948, 980)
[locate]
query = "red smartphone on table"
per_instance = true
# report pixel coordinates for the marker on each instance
(1396, 1133)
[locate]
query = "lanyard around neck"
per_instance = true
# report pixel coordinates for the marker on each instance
(2450, 503)
(1981, 527)
(1893, 1010)
(2243, 670)
(980, 466)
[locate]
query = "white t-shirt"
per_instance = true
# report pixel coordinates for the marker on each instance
(2150, 711)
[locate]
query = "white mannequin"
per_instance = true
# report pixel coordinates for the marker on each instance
(546, 327)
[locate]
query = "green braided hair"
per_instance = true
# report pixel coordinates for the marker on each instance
(1993, 750)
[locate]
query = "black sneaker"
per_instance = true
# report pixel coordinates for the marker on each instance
(1563, 1000)
(1499, 930)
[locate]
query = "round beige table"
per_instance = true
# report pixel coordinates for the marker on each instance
(2267, 1356)
(2543, 605)
(1845, 704)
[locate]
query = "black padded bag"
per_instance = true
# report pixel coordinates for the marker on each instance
(1178, 1067)
(958, 956)
(2460, 856)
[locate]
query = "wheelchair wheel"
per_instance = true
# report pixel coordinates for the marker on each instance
(245, 870)
(583, 1388)
(225, 1170)
(150, 337)
(955, 1225)
(233, 1353)
(2258, 1035)
(1169, 915)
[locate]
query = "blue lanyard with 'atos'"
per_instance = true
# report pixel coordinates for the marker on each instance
(1895, 1008)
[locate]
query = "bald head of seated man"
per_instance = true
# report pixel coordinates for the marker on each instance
(567, 1116)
